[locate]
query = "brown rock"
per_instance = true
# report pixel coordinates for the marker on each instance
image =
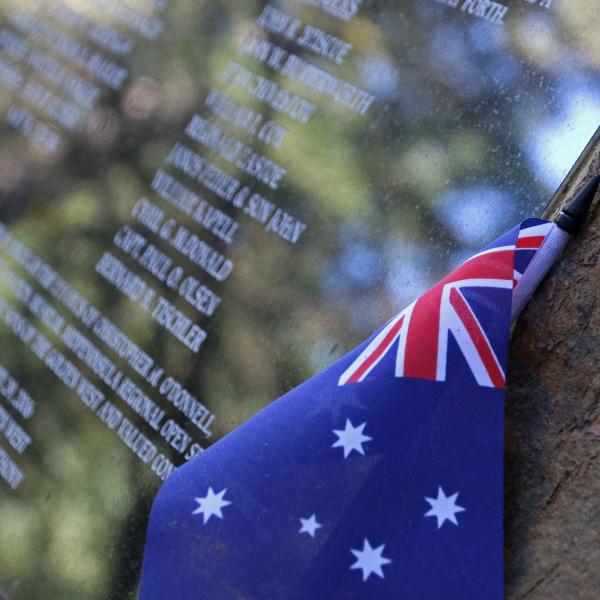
(552, 514)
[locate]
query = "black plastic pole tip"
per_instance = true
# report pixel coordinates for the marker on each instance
(574, 212)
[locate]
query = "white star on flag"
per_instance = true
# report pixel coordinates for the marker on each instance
(351, 438)
(444, 508)
(370, 560)
(211, 505)
(310, 525)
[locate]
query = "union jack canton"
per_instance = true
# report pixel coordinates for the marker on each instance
(379, 478)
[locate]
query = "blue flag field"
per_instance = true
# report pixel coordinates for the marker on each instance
(379, 478)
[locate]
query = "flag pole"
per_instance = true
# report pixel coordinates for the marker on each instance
(567, 224)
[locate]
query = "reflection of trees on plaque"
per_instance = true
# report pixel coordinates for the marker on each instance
(231, 195)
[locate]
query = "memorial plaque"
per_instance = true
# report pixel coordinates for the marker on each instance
(205, 203)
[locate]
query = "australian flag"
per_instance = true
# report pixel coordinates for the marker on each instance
(380, 478)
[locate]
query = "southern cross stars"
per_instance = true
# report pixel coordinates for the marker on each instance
(370, 560)
(310, 525)
(211, 505)
(351, 438)
(444, 508)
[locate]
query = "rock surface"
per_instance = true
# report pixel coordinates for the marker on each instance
(552, 514)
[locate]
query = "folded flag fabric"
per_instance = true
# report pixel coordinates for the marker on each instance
(380, 478)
